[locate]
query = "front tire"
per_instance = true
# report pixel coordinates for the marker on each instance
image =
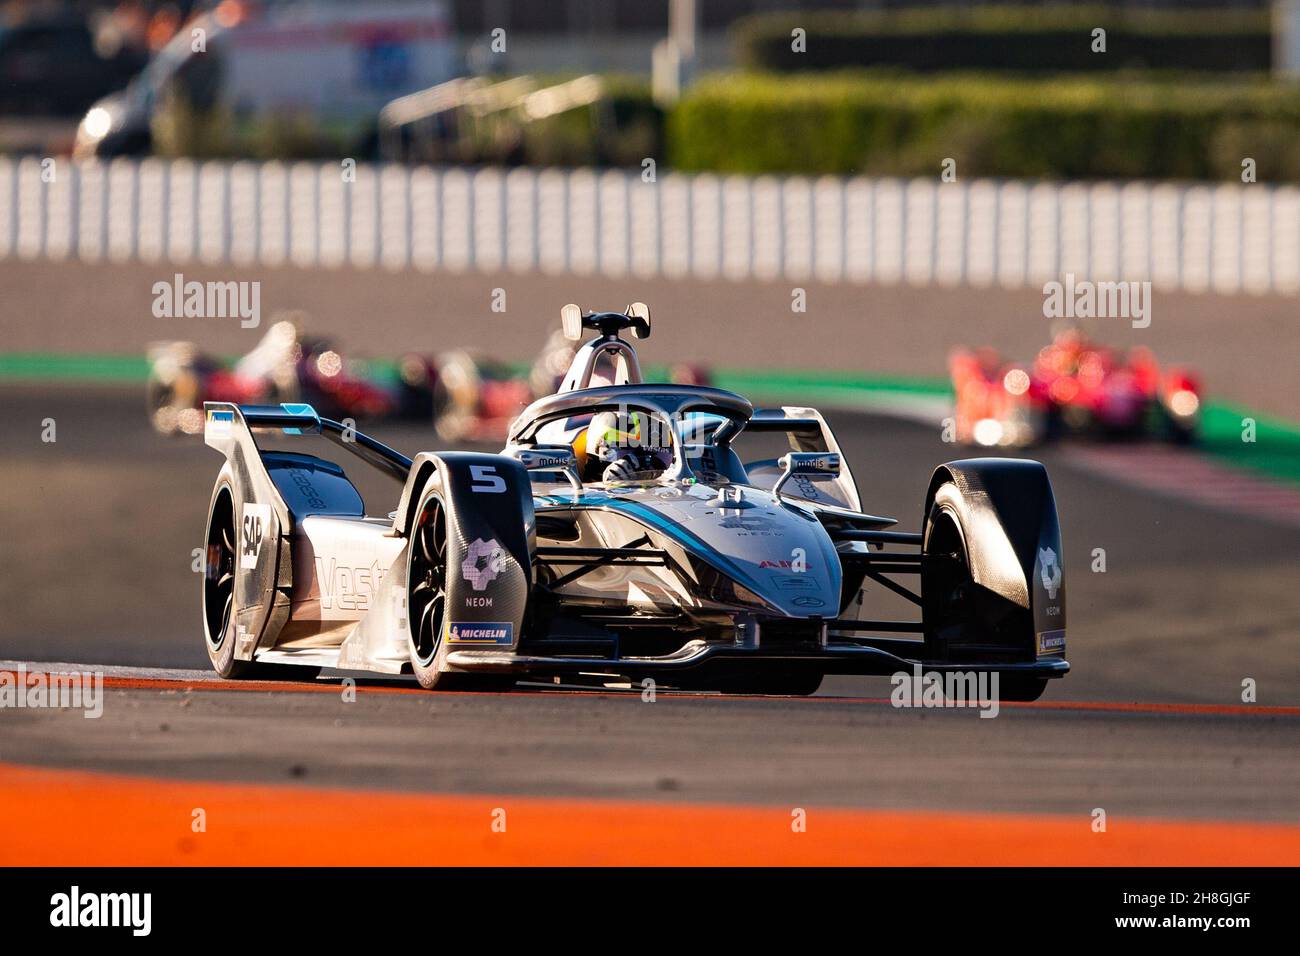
(426, 593)
(1018, 688)
(946, 590)
(962, 619)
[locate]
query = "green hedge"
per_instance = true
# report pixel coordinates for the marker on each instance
(1008, 38)
(1067, 127)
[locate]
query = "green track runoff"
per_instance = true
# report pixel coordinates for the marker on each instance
(1275, 450)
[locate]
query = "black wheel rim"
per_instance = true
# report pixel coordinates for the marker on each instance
(946, 594)
(219, 570)
(427, 585)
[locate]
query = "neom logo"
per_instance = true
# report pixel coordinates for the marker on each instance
(76, 909)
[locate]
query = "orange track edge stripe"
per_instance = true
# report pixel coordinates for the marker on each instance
(172, 684)
(76, 818)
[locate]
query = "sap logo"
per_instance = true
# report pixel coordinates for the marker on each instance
(347, 589)
(257, 519)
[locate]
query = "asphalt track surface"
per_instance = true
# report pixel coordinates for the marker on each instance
(98, 529)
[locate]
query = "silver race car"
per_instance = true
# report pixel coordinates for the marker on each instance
(620, 535)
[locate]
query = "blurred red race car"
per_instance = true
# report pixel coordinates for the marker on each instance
(1073, 386)
(286, 366)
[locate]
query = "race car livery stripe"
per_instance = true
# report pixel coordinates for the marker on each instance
(76, 818)
(684, 537)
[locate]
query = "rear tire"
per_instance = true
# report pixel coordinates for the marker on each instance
(219, 569)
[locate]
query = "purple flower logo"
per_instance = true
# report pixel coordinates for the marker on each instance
(483, 563)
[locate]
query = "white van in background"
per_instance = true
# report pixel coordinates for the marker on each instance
(330, 63)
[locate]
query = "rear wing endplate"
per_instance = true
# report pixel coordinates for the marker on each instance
(226, 425)
(807, 431)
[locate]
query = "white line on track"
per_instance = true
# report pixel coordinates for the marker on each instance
(1187, 475)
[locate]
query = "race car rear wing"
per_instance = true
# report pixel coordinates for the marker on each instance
(807, 431)
(225, 423)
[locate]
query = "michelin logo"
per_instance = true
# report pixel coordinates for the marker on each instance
(1049, 642)
(493, 632)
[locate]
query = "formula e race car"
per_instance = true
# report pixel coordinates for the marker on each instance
(285, 366)
(620, 535)
(1073, 386)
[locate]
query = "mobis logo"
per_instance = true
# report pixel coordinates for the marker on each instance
(75, 909)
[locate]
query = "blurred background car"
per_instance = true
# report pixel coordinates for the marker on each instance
(306, 76)
(286, 366)
(462, 393)
(56, 64)
(1073, 386)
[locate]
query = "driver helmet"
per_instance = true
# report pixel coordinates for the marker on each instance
(626, 443)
